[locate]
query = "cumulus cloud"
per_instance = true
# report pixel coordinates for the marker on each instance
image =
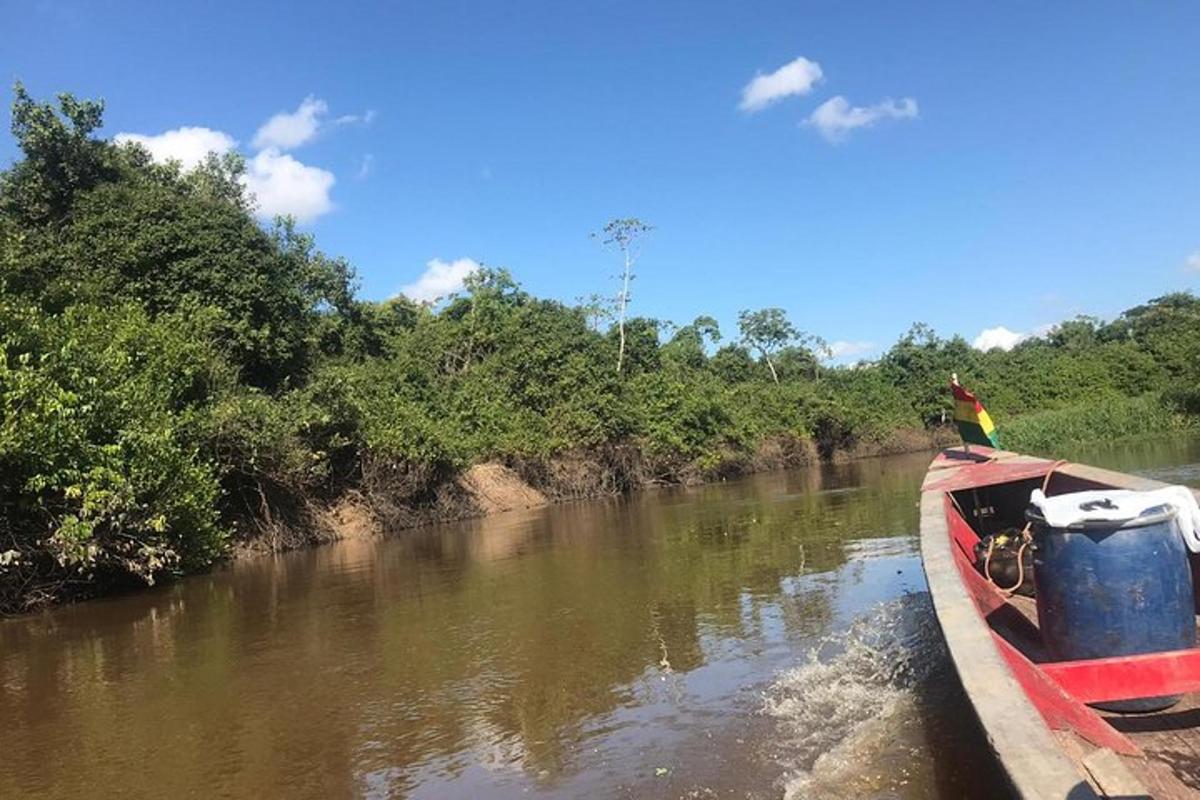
(834, 118)
(279, 183)
(844, 349)
(1193, 262)
(439, 279)
(188, 145)
(282, 185)
(287, 130)
(794, 78)
(998, 336)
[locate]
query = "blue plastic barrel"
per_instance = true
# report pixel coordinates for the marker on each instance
(1114, 589)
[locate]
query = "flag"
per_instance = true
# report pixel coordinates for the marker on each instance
(971, 418)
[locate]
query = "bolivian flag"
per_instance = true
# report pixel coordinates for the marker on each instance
(974, 424)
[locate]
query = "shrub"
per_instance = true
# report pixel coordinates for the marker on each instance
(100, 476)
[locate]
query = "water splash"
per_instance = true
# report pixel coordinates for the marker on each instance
(849, 722)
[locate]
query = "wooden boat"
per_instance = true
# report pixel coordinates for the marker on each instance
(1034, 712)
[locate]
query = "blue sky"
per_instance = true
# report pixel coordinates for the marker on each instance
(1024, 162)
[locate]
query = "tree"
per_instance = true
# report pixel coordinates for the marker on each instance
(687, 344)
(920, 363)
(86, 220)
(597, 308)
(818, 350)
(624, 235)
(797, 361)
(1167, 327)
(1075, 334)
(642, 345)
(706, 328)
(733, 364)
(767, 331)
(484, 311)
(61, 157)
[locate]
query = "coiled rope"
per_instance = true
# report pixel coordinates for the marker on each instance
(1026, 540)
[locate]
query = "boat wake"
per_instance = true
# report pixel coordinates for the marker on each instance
(849, 718)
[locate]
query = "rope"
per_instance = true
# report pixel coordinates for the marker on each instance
(987, 563)
(1026, 540)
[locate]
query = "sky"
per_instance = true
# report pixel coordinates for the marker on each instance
(987, 168)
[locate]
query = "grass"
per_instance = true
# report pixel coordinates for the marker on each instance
(1103, 419)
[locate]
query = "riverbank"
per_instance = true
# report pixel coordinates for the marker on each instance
(390, 499)
(382, 507)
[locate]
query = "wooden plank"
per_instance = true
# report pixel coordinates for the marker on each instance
(1128, 677)
(990, 474)
(1059, 709)
(960, 456)
(950, 460)
(1016, 733)
(1106, 477)
(1112, 776)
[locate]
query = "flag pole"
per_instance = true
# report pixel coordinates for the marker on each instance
(954, 382)
(971, 418)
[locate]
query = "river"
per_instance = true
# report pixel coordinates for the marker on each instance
(769, 637)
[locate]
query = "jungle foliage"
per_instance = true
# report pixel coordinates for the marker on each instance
(174, 377)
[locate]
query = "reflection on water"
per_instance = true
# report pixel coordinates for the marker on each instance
(757, 637)
(1175, 460)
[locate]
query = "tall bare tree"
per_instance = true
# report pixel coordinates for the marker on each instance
(624, 236)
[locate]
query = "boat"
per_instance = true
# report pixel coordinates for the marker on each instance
(1038, 715)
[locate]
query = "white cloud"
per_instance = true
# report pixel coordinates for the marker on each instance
(999, 336)
(439, 279)
(282, 185)
(795, 78)
(1193, 262)
(366, 118)
(1002, 337)
(843, 349)
(365, 166)
(285, 131)
(834, 118)
(188, 145)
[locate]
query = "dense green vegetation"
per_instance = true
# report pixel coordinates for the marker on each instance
(174, 378)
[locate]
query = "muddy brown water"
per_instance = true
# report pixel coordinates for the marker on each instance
(762, 638)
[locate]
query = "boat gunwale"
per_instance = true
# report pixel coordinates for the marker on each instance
(1019, 739)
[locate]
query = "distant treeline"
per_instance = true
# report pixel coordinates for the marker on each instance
(174, 378)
